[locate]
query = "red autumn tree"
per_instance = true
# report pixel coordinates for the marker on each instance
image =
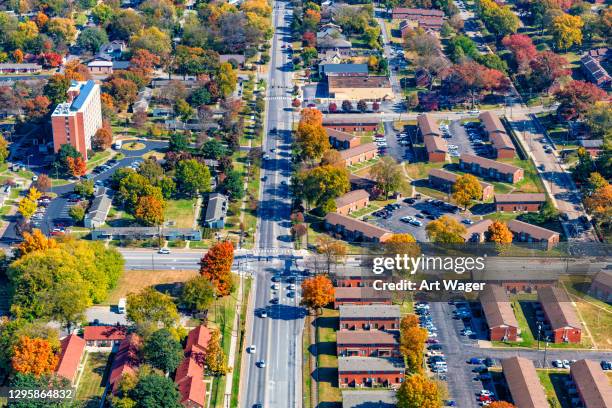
(216, 267)
(18, 56)
(77, 166)
(50, 59)
(33, 356)
(37, 107)
(144, 62)
(317, 292)
(576, 98)
(472, 78)
(546, 68)
(521, 47)
(333, 108)
(309, 38)
(103, 138)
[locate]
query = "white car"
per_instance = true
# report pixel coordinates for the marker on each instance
(260, 364)
(557, 363)
(275, 286)
(452, 147)
(487, 393)
(565, 363)
(266, 157)
(252, 349)
(292, 286)
(416, 223)
(163, 251)
(263, 314)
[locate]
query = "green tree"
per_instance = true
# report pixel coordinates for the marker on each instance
(132, 187)
(77, 213)
(56, 88)
(85, 188)
(163, 351)
(198, 294)
(179, 142)
(150, 309)
(183, 109)
(102, 13)
(213, 149)
(154, 390)
(388, 174)
(92, 38)
(233, 185)
(226, 79)
(153, 40)
(192, 177)
(599, 119)
(321, 183)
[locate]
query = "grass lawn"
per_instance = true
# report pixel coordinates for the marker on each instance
(553, 382)
(356, 167)
(329, 392)
(520, 308)
(531, 183)
(501, 188)
(306, 368)
(238, 360)
(432, 192)
(499, 216)
(181, 212)
(421, 170)
(366, 210)
(136, 280)
(98, 158)
(94, 377)
(134, 146)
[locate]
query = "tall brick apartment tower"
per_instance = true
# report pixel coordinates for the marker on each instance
(75, 122)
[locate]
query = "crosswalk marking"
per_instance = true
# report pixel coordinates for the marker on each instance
(278, 98)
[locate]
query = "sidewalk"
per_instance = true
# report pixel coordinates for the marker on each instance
(229, 377)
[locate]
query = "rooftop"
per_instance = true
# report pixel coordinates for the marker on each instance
(435, 144)
(353, 224)
(344, 68)
(370, 337)
(479, 227)
(604, 278)
(104, 332)
(358, 82)
(497, 307)
(418, 12)
(501, 141)
(126, 360)
(216, 207)
(524, 383)
(491, 123)
(365, 292)
(335, 120)
(351, 197)
(357, 150)
(340, 135)
(369, 311)
(368, 399)
(592, 383)
(427, 125)
(520, 227)
(489, 164)
(452, 177)
(558, 308)
(70, 357)
(520, 198)
(369, 364)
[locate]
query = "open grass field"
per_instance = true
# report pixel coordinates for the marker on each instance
(329, 392)
(134, 281)
(531, 183)
(553, 382)
(181, 212)
(94, 377)
(421, 170)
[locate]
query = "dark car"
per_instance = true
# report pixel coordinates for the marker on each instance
(434, 347)
(419, 215)
(476, 360)
(431, 217)
(409, 200)
(489, 362)
(426, 212)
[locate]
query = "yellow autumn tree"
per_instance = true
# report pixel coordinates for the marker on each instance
(418, 391)
(36, 241)
(465, 189)
(499, 233)
(567, 30)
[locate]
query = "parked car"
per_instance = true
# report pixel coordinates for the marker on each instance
(476, 360)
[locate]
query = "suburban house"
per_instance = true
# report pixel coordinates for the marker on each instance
(524, 232)
(601, 287)
(498, 312)
(519, 202)
(126, 360)
(352, 201)
(369, 399)
(359, 154)
(477, 232)
(436, 148)
(403, 13)
(364, 87)
(98, 211)
(360, 296)
(351, 125)
(238, 59)
(565, 326)
(103, 64)
(427, 125)
(9, 68)
(490, 168)
(444, 181)
(216, 210)
(370, 372)
(114, 49)
(190, 373)
(523, 383)
(104, 336)
(346, 69)
(359, 343)
(592, 384)
(169, 234)
(73, 347)
(355, 230)
(331, 38)
(342, 140)
(595, 72)
(427, 23)
(368, 317)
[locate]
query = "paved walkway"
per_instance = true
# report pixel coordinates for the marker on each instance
(229, 377)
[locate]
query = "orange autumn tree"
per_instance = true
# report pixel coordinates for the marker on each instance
(418, 391)
(216, 267)
(317, 292)
(150, 210)
(412, 342)
(36, 241)
(77, 166)
(499, 233)
(33, 356)
(501, 404)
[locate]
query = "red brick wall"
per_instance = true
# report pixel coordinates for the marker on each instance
(360, 379)
(339, 302)
(353, 128)
(518, 176)
(368, 351)
(357, 205)
(572, 335)
(498, 333)
(505, 153)
(361, 158)
(436, 157)
(531, 207)
(362, 324)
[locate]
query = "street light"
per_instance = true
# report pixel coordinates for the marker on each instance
(539, 325)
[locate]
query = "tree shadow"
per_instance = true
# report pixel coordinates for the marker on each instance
(326, 374)
(326, 322)
(323, 348)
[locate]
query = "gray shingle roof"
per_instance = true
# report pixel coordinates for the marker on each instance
(369, 311)
(368, 399)
(369, 364)
(216, 207)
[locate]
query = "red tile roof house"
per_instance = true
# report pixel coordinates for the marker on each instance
(436, 148)
(126, 360)
(498, 312)
(342, 140)
(402, 13)
(367, 317)
(496, 132)
(359, 154)
(444, 180)
(351, 125)
(524, 232)
(524, 383)
(190, 373)
(360, 296)
(359, 343)
(560, 315)
(490, 168)
(519, 202)
(104, 336)
(355, 230)
(352, 201)
(601, 287)
(370, 372)
(592, 384)
(70, 357)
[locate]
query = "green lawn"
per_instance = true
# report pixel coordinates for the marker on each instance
(241, 346)
(421, 170)
(553, 382)
(94, 377)
(526, 335)
(329, 392)
(366, 210)
(98, 158)
(356, 167)
(531, 183)
(181, 212)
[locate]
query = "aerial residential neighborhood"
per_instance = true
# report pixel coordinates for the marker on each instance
(208, 203)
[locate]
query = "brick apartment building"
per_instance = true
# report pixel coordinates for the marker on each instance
(360, 296)
(519, 202)
(524, 232)
(365, 87)
(427, 23)
(104, 336)
(436, 148)
(344, 276)
(427, 125)
(490, 168)
(369, 399)
(76, 122)
(370, 372)
(126, 360)
(355, 230)
(370, 317)
(496, 133)
(359, 154)
(592, 384)
(529, 281)
(360, 343)
(403, 13)
(352, 201)
(342, 140)
(565, 326)
(523, 383)
(498, 313)
(601, 287)
(73, 347)
(444, 181)
(351, 124)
